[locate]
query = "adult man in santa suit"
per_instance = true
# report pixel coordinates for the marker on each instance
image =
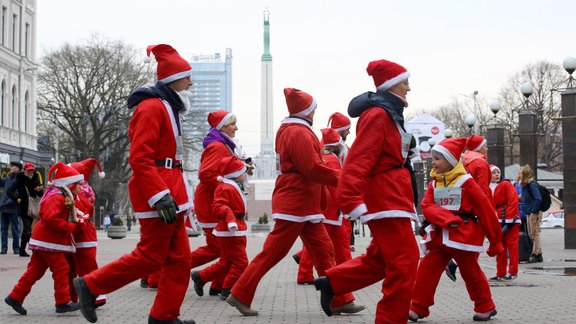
(158, 192)
(379, 159)
(296, 204)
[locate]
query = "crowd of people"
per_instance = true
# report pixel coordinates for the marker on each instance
(322, 187)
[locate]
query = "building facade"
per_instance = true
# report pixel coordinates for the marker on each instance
(212, 90)
(18, 81)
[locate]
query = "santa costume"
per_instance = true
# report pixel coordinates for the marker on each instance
(476, 165)
(334, 221)
(297, 203)
(506, 201)
(217, 145)
(460, 216)
(379, 159)
(230, 207)
(51, 240)
(156, 153)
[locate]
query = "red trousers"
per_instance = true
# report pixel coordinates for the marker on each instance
(208, 253)
(277, 246)
(81, 263)
(510, 243)
(40, 261)
(340, 237)
(432, 267)
(391, 255)
(231, 264)
(162, 246)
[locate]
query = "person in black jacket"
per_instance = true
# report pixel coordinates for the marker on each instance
(9, 211)
(27, 183)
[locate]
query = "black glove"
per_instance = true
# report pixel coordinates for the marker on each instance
(167, 209)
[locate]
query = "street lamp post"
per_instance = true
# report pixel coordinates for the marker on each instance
(528, 130)
(569, 155)
(495, 138)
(470, 120)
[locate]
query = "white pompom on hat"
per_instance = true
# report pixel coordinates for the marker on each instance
(86, 166)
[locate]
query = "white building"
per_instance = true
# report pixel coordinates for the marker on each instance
(18, 81)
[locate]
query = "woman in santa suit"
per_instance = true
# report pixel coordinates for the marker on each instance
(230, 207)
(506, 201)
(51, 240)
(460, 216)
(219, 143)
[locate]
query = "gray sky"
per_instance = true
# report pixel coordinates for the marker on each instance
(451, 47)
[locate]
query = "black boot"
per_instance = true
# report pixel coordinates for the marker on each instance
(69, 307)
(539, 257)
(198, 284)
(326, 294)
(15, 305)
(86, 299)
(214, 292)
(225, 293)
(533, 258)
(23, 242)
(152, 320)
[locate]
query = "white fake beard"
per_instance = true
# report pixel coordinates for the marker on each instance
(186, 97)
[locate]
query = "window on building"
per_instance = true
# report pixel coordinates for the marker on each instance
(26, 112)
(3, 22)
(26, 39)
(14, 108)
(14, 30)
(3, 90)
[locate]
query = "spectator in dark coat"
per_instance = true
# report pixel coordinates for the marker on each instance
(9, 211)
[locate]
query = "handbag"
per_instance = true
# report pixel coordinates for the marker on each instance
(33, 205)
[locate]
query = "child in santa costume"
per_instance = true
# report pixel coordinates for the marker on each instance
(219, 143)
(230, 206)
(85, 238)
(158, 191)
(506, 201)
(297, 204)
(51, 240)
(379, 159)
(334, 220)
(460, 216)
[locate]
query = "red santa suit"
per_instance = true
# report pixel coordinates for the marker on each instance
(297, 200)
(51, 240)
(453, 198)
(506, 201)
(230, 207)
(476, 165)
(155, 158)
(334, 220)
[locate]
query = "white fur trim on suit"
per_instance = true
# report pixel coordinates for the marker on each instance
(176, 76)
(207, 225)
(387, 214)
(154, 199)
(229, 234)
(458, 245)
(290, 120)
(83, 245)
(334, 222)
(394, 81)
(308, 110)
(152, 214)
(316, 218)
(358, 211)
(53, 246)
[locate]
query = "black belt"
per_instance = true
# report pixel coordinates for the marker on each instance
(169, 163)
(466, 217)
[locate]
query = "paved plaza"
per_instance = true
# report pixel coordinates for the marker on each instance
(542, 293)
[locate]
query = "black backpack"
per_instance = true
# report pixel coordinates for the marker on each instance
(546, 199)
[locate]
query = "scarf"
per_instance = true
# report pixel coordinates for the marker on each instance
(216, 136)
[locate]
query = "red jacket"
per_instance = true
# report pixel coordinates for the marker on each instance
(153, 136)
(209, 171)
(374, 182)
(53, 231)
(477, 166)
(299, 194)
(85, 234)
(332, 213)
(506, 201)
(230, 208)
(469, 235)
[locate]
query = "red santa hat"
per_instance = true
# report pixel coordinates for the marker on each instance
(86, 167)
(217, 119)
(387, 74)
(62, 175)
(330, 137)
(451, 149)
(475, 142)
(231, 167)
(299, 102)
(171, 66)
(339, 122)
(494, 167)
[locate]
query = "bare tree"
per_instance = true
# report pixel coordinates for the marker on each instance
(82, 96)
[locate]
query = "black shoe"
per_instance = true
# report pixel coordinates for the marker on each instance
(539, 257)
(225, 293)
(451, 270)
(17, 251)
(143, 283)
(326, 294)
(496, 278)
(4, 251)
(296, 258)
(533, 259)
(198, 284)
(69, 307)
(86, 299)
(305, 282)
(23, 253)
(214, 292)
(152, 320)
(15, 305)
(484, 317)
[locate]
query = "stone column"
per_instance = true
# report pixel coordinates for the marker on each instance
(569, 159)
(528, 132)
(495, 138)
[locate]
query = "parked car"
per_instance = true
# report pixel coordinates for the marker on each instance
(552, 219)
